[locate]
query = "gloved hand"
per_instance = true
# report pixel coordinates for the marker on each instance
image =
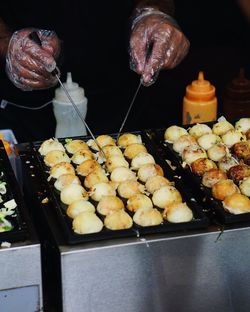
(29, 65)
(156, 43)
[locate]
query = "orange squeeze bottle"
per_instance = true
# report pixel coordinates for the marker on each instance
(199, 103)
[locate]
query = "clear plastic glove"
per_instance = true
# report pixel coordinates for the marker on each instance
(156, 43)
(29, 65)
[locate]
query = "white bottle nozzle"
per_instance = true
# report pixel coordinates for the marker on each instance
(68, 122)
(69, 80)
(75, 91)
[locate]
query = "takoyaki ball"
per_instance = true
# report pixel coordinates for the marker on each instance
(139, 201)
(55, 157)
(126, 139)
(224, 188)
(217, 151)
(94, 177)
(121, 174)
(81, 156)
(241, 149)
(78, 206)
(102, 140)
(118, 220)
(191, 153)
(73, 192)
(87, 223)
(178, 213)
(66, 179)
(208, 140)
(182, 142)
(201, 165)
(133, 149)
(231, 137)
(87, 166)
(165, 196)
(199, 130)
(142, 159)
(115, 162)
(129, 188)
(226, 163)
(247, 134)
(50, 145)
(247, 160)
(213, 176)
(245, 186)
(221, 127)
(155, 183)
(173, 133)
(101, 189)
(243, 125)
(238, 172)
(149, 170)
(147, 217)
(237, 203)
(111, 150)
(73, 146)
(59, 169)
(109, 204)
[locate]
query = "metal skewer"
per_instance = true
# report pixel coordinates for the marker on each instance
(129, 109)
(78, 112)
(34, 36)
(148, 53)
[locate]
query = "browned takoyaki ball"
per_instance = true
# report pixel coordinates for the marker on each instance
(248, 134)
(193, 152)
(213, 176)
(224, 188)
(87, 167)
(241, 149)
(237, 203)
(201, 165)
(73, 146)
(184, 141)
(94, 177)
(239, 172)
(247, 160)
(227, 162)
(133, 149)
(111, 150)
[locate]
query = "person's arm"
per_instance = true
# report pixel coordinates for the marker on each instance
(156, 40)
(29, 64)
(5, 35)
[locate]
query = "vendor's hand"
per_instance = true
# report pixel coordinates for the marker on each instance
(29, 65)
(156, 43)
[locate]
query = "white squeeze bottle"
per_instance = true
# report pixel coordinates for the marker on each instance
(68, 123)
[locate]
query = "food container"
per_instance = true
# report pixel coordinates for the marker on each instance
(9, 142)
(48, 198)
(213, 207)
(12, 207)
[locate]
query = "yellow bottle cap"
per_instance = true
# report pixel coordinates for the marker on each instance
(200, 90)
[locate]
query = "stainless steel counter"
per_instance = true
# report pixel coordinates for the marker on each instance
(190, 272)
(21, 280)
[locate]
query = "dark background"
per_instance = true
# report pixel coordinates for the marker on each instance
(218, 32)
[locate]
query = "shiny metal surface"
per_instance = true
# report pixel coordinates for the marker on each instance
(196, 272)
(21, 280)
